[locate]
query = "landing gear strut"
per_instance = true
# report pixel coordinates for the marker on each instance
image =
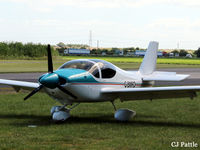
(123, 114)
(61, 113)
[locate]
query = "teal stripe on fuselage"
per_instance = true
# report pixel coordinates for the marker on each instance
(76, 75)
(79, 76)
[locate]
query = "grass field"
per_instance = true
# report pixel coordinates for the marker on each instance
(185, 61)
(92, 126)
(124, 63)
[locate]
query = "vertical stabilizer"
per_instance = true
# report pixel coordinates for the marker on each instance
(148, 65)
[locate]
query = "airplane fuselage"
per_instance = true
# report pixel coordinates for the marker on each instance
(89, 87)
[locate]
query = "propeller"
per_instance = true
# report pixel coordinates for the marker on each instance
(34, 91)
(50, 80)
(50, 62)
(65, 91)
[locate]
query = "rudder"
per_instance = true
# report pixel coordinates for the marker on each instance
(148, 65)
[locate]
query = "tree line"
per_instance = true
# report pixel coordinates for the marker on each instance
(19, 50)
(30, 50)
(114, 50)
(183, 52)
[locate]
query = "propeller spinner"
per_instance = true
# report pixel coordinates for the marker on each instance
(50, 80)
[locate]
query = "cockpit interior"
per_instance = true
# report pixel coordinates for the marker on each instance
(98, 68)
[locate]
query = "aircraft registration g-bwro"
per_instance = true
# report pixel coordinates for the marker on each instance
(93, 80)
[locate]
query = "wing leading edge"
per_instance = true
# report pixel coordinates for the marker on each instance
(17, 85)
(152, 92)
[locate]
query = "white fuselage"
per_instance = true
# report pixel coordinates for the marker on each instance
(91, 92)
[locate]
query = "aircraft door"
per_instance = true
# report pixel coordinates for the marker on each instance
(107, 71)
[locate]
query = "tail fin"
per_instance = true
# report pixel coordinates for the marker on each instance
(148, 65)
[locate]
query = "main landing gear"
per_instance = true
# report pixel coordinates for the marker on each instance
(61, 113)
(123, 114)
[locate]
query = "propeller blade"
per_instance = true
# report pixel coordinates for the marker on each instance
(34, 91)
(66, 91)
(50, 62)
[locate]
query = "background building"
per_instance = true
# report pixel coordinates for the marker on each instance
(142, 53)
(77, 51)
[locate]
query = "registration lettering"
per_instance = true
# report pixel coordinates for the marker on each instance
(129, 84)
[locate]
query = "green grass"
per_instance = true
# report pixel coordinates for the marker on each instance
(185, 61)
(26, 65)
(124, 63)
(92, 126)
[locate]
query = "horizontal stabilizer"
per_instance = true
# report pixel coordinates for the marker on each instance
(164, 76)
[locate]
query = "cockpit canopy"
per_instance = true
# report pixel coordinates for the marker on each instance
(98, 68)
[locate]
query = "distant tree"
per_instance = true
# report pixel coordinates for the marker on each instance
(98, 52)
(128, 49)
(183, 53)
(78, 46)
(61, 51)
(61, 44)
(95, 51)
(17, 49)
(115, 48)
(104, 50)
(175, 51)
(197, 52)
(83, 47)
(137, 48)
(4, 48)
(125, 51)
(133, 49)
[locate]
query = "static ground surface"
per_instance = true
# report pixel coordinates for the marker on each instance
(139, 59)
(92, 126)
(125, 63)
(28, 125)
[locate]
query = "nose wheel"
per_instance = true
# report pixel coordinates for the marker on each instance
(61, 113)
(123, 114)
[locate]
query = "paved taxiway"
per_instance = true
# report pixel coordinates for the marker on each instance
(193, 79)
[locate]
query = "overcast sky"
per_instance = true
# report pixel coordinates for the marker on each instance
(115, 23)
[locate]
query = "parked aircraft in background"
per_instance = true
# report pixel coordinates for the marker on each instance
(93, 80)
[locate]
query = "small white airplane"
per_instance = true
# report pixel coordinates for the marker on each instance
(93, 80)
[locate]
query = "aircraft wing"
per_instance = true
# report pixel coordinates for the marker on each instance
(151, 92)
(17, 85)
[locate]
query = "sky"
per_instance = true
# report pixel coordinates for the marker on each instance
(114, 23)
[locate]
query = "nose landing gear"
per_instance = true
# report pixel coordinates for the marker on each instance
(60, 113)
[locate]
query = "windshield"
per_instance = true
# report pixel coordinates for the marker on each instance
(94, 66)
(108, 70)
(78, 64)
(84, 65)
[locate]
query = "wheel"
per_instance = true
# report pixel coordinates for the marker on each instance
(60, 116)
(124, 114)
(55, 108)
